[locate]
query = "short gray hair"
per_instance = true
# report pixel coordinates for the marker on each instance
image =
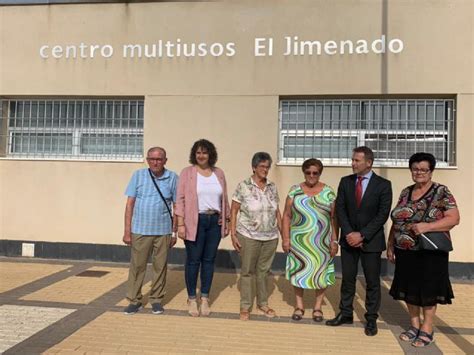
(260, 157)
(152, 149)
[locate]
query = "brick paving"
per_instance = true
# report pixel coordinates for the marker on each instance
(46, 308)
(24, 273)
(18, 323)
(132, 333)
(77, 289)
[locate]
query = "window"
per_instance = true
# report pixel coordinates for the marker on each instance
(72, 129)
(393, 129)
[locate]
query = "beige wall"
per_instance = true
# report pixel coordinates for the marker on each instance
(64, 201)
(232, 101)
(437, 56)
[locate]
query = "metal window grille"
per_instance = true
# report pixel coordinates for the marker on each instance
(394, 129)
(71, 129)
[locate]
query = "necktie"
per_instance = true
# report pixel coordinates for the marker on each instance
(359, 190)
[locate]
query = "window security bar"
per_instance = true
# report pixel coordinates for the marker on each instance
(394, 129)
(72, 129)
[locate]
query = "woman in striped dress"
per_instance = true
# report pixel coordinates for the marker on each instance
(310, 238)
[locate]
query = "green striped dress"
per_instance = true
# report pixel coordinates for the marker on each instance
(309, 264)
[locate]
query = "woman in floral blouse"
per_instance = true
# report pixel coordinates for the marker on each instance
(255, 233)
(421, 276)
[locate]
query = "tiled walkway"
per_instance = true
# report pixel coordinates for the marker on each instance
(60, 307)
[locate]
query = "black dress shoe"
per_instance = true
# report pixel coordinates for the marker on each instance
(371, 328)
(340, 319)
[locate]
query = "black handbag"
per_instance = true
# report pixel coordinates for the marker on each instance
(434, 241)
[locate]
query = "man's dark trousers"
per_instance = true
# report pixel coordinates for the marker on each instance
(371, 263)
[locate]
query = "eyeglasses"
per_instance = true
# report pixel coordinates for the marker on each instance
(266, 167)
(312, 173)
(420, 171)
(155, 160)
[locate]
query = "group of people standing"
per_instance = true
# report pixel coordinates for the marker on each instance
(195, 207)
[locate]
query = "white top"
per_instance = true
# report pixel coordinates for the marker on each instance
(209, 192)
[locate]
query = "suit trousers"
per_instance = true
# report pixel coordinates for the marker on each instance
(256, 259)
(142, 247)
(371, 265)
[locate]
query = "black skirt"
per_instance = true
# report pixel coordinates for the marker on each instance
(421, 278)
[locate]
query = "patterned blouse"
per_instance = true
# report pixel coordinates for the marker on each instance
(257, 217)
(408, 212)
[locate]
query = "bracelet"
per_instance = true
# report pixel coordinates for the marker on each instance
(180, 225)
(335, 241)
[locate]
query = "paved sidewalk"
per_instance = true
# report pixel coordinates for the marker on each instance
(63, 307)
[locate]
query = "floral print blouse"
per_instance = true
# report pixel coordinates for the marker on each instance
(257, 218)
(408, 211)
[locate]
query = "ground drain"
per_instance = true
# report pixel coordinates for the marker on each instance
(93, 273)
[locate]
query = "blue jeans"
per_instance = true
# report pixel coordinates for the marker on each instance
(201, 254)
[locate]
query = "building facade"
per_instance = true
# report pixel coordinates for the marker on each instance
(86, 88)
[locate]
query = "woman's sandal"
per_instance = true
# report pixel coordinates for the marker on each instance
(410, 334)
(205, 309)
(193, 308)
(244, 315)
(298, 314)
(419, 342)
(317, 318)
(267, 311)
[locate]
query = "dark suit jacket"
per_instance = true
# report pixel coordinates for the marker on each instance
(370, 217)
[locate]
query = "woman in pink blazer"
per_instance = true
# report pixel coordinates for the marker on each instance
(203, 213)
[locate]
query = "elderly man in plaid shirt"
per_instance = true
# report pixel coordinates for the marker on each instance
(151, 194)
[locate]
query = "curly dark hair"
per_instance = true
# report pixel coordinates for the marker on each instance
(206, 145)
(421, 156)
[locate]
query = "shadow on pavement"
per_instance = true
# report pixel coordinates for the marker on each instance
(220, 282)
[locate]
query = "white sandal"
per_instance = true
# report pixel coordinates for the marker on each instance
(193, 308)
(205, 309)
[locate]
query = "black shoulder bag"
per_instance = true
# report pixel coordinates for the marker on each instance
(434, 241)
(161, 195)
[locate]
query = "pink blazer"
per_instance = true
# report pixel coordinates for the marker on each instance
(187, 201)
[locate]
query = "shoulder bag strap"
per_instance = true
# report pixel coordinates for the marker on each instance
(428, 206)
(161, 195)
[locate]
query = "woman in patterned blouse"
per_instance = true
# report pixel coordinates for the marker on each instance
(255, 233)
(421, 276)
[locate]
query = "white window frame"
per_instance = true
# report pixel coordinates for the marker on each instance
(364, 135)
(76, 131)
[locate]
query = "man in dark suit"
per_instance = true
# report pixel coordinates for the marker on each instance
(363, 204)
